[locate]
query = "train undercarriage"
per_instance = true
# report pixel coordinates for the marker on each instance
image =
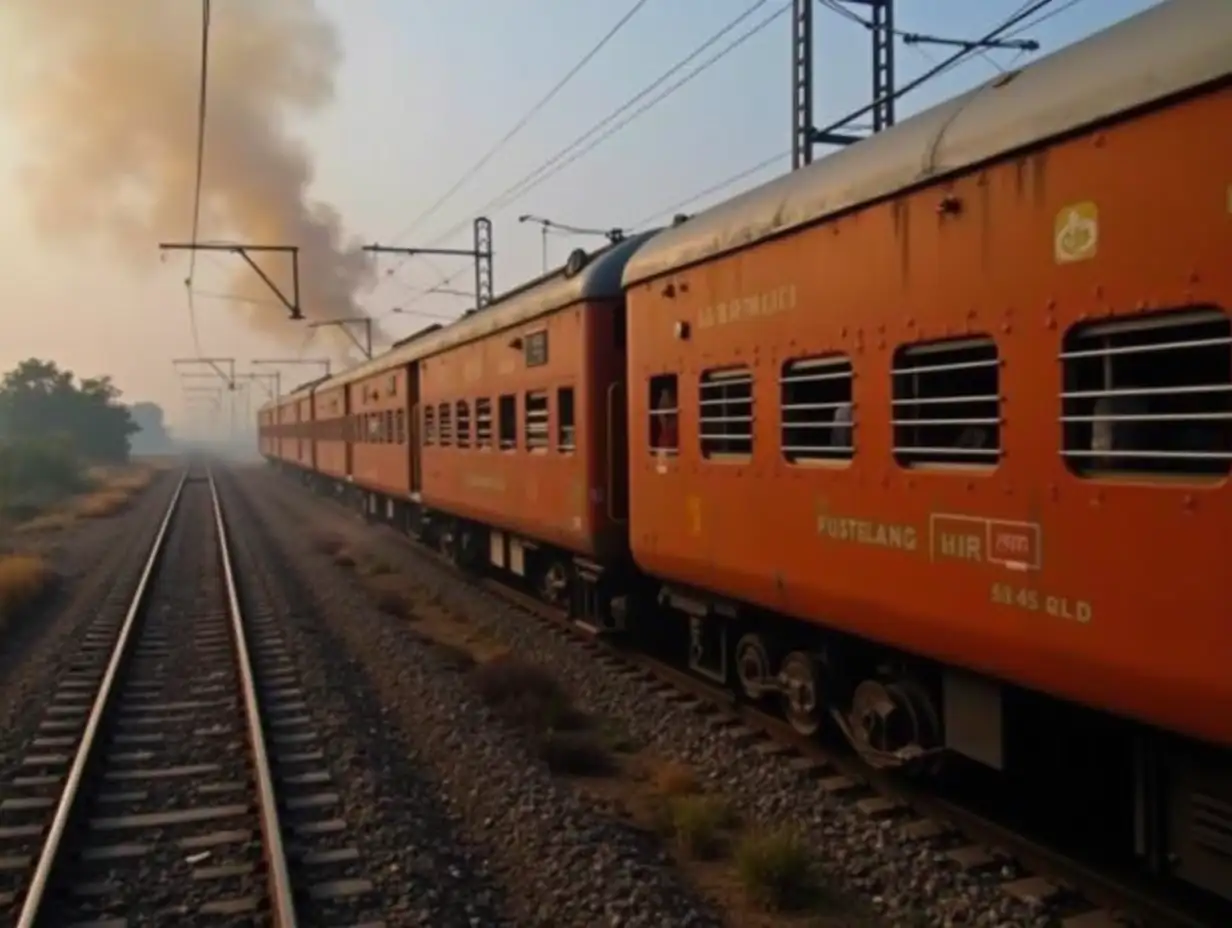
(1160, 804)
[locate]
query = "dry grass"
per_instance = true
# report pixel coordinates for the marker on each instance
(777, 871)
(23, 579)
(114, 490)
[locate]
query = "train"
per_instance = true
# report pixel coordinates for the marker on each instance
(927, 441)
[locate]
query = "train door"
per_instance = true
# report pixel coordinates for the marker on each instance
(412, 427)
(350, 431)
(617, 464)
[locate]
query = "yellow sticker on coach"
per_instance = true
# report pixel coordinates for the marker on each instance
(1076, 233)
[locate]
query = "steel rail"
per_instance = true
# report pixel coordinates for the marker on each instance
(282, 900)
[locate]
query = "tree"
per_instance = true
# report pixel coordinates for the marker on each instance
(151, 436)
(38, 402)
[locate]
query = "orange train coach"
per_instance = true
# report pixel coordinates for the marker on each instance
(904, 432)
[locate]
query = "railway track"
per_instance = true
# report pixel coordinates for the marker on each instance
(1080, 894)
(149, 795)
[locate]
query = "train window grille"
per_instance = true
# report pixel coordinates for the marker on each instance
(463, 425)
(946, 405)
(429, 425)
(815, 397)
(1149, 395)
(400, 426)
(725, 413)
(483, 423)
(565, 433)
(537, 420)
(535, 348)
(507, 410)
(389, 437)
(374, 428)
(664, 416)
(444, 427)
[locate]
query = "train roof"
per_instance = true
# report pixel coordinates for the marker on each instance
(599, 278)
(1168, 49)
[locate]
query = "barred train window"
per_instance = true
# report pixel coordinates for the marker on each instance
(483, 423)
(947, 403)
(664, 416)
(507, 410)
(429, 425)
(815, 398)
(725, 413)
(463, 425)
(444, 428)
(537, 420)
(1149, 395)
(400, 426)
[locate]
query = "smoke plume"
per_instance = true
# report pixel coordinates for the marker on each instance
(105, 96)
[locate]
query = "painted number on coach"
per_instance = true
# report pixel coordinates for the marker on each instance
(746, 308)
(1030, 599)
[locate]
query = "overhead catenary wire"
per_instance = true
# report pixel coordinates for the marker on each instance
(202, 95)
(553, 165)
(523, 121)
(1024, 12)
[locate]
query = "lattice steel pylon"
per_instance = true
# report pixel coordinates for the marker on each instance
(880, 24)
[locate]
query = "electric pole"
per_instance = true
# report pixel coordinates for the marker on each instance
(481, 253)
(246, 252)
(878, 19)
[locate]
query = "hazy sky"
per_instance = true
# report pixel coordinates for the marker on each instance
(421, 91)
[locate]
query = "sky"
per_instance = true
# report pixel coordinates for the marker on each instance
(377, 108)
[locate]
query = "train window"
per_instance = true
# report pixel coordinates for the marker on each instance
(535, 348)
(508, 413)
(537, 420)
(1149, 395)
(725, 413)
(400, 426)
(483, 423)
(429, 425)
(564, 420)
(389, 437)
(374, 428)
(444, 429)
(817, 414)
(947, 403)
(464, 424)
(664, 415)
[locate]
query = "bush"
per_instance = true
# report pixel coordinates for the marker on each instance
(36, 473)
(23, 579)
(698, 824)
(776, 870)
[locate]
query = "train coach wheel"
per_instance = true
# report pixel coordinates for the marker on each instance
(554, 584)
(753, 667)
(896, 718)
(801, 686)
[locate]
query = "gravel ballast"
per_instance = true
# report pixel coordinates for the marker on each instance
(906, 881)
(559, 859)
